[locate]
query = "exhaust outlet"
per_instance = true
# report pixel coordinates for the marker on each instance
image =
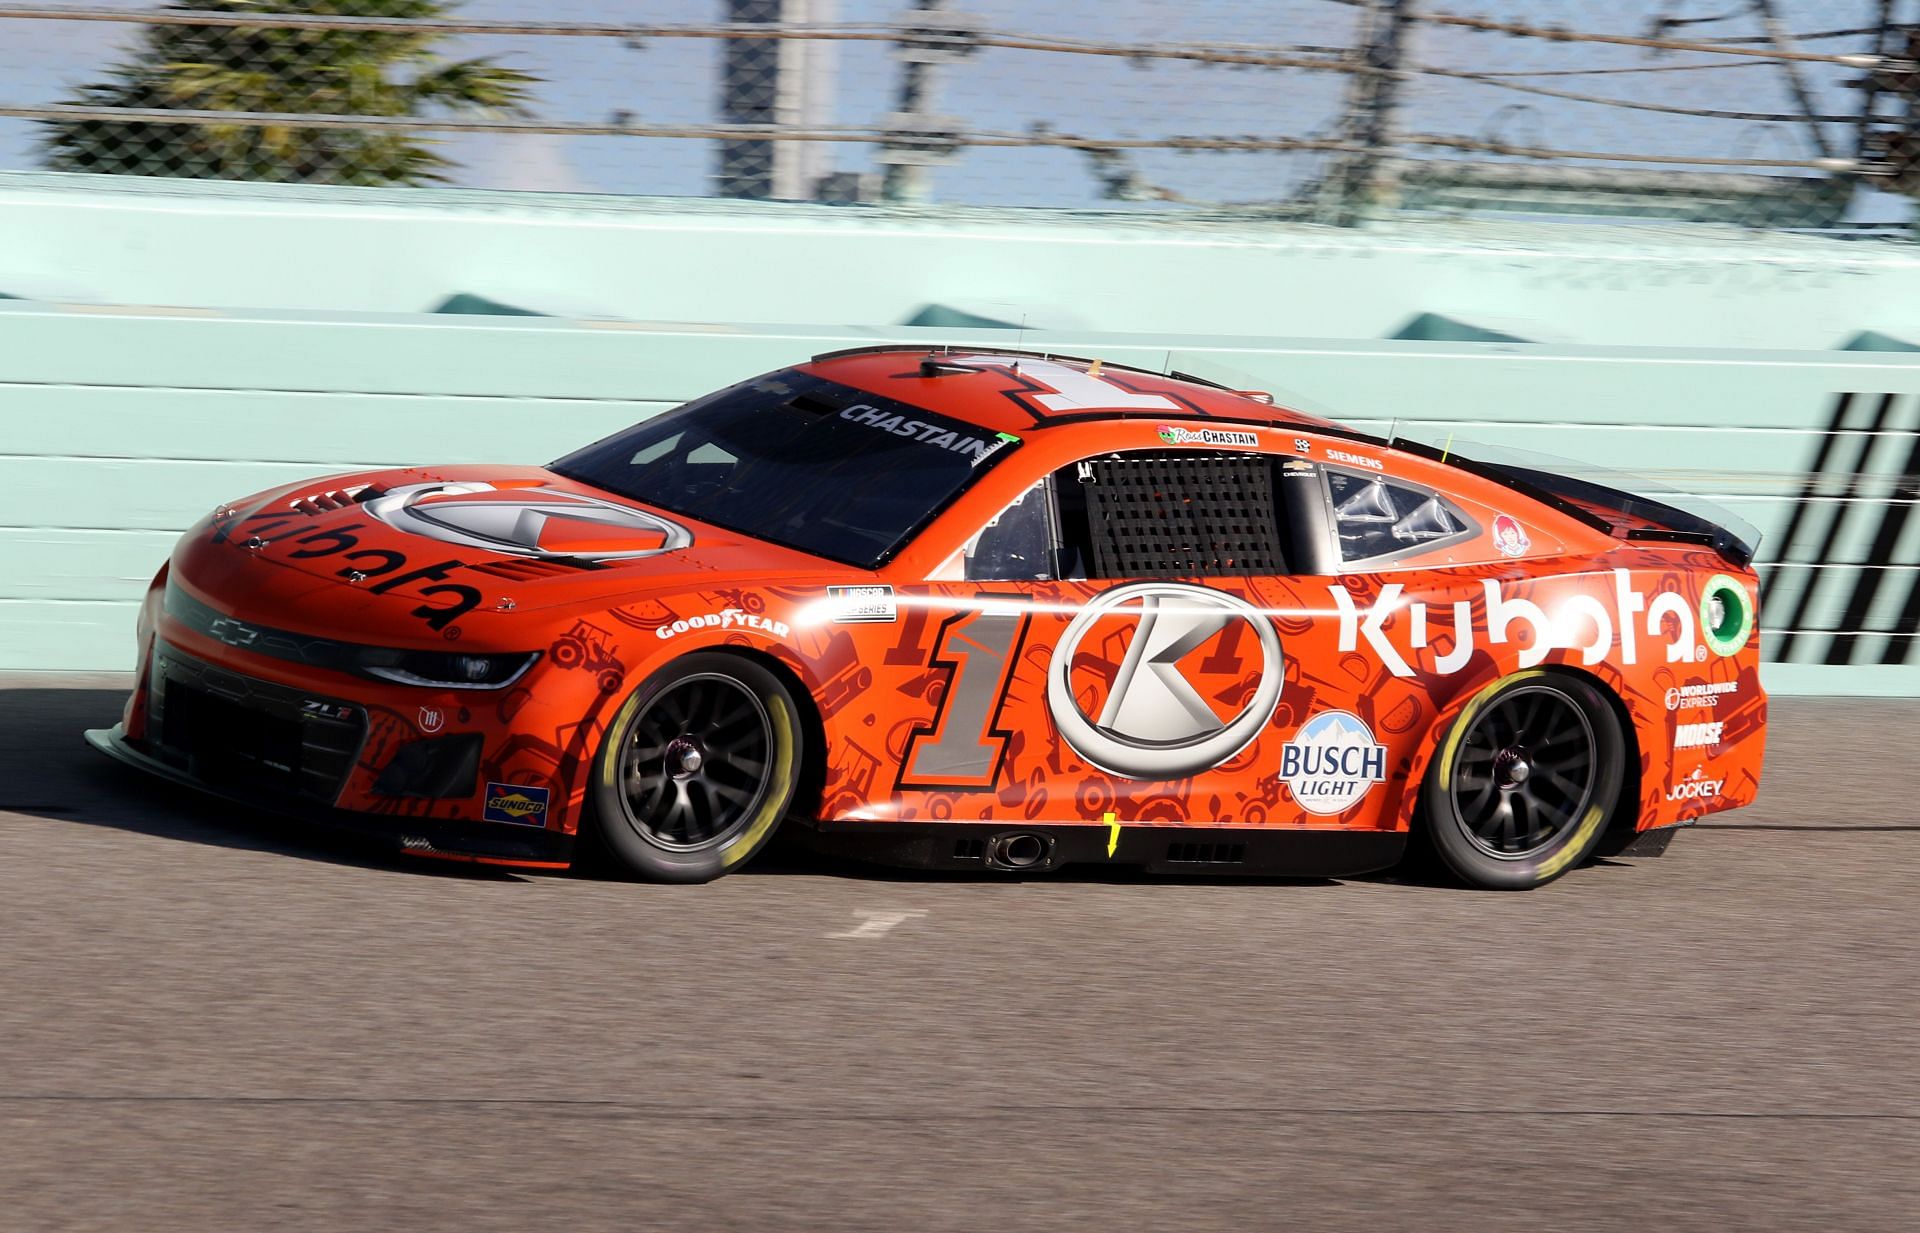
(1019, 850)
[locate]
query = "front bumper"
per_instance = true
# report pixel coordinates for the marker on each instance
(472, 842)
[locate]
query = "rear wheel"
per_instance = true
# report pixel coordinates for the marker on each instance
(1525, 781)
(697, 768)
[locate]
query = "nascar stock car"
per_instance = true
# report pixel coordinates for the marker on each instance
(981, 609)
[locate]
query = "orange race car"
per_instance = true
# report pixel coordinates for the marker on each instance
(982, 609)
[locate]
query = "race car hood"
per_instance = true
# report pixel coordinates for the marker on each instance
(412, 551)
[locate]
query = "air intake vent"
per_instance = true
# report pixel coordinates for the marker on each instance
(326, 502)
(1206, 853)
(522, 570)
(969, 849)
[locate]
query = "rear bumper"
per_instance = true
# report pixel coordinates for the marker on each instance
(482, 843)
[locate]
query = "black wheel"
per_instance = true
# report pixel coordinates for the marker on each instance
(1525, 781)
(697, 768)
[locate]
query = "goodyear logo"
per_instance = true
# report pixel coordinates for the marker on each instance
(519, 804)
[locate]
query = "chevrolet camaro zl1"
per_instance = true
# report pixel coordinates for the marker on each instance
(966, 609)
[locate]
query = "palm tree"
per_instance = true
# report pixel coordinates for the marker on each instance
(303, 71)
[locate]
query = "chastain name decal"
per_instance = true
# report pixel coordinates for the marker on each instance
(976, 448)
(1205, 436)
(725, 619)
(1578, 615)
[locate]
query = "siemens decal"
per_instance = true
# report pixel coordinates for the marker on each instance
(921, 431)
(1581, 622)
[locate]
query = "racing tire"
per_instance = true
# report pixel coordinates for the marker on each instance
(697, 769)
(1525, 781)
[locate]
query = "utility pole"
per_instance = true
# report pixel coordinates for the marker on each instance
(1889, 138)
(917, 137)
(1368, 176)
(780, 82)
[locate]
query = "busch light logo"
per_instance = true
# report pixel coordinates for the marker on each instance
(1332, 762)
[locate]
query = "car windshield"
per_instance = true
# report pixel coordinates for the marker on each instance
(798, 461)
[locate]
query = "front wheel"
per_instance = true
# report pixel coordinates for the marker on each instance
(697, 768)
(1525, 781)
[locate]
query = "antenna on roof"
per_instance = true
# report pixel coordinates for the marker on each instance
(1021, 340)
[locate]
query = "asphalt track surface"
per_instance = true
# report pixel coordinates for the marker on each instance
(211, 1021)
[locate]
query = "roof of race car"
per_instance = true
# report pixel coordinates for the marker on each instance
(1012, 391)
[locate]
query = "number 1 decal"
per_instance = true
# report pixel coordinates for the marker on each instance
(1075, 389)
(961, 749)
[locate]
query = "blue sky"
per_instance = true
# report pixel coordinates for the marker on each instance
(673, 80)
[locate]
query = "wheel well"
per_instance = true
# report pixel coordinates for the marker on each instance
(1626, 810)
(813, 775)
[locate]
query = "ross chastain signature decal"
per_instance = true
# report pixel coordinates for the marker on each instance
(1583, 623)
(1206, 436)
(727, 618)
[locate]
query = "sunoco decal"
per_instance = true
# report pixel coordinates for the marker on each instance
(1332, 762)
(518, 804)
(728, 618)
(1205, 436)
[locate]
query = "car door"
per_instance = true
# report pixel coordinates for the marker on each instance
(1119, 650)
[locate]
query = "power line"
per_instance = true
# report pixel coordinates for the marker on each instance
(1560, 34)
(1635, 105)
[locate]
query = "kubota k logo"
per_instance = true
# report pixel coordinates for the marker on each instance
(528, 522)
(1154, 724)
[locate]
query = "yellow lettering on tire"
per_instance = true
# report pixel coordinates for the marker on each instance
(783, 723)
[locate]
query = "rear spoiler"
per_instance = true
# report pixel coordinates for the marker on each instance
(1582, 499)
(1670, 523)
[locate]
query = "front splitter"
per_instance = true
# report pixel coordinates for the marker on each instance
(478, 843)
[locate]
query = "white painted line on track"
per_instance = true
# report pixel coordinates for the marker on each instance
(876, 924)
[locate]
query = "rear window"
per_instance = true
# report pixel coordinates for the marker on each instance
(797, 461)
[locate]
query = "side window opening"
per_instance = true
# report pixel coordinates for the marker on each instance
(1191, 514)
(1376, 520)
(1018, 545)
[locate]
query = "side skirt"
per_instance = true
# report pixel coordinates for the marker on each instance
(1208, 851)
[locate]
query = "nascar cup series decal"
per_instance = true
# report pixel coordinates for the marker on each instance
(1332, 762)
(1154, 723)
(516, 803)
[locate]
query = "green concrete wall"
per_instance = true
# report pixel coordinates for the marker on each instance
(169, 345)
(123, 426)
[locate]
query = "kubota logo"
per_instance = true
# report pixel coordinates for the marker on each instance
(528, 522)
(1155, 724)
